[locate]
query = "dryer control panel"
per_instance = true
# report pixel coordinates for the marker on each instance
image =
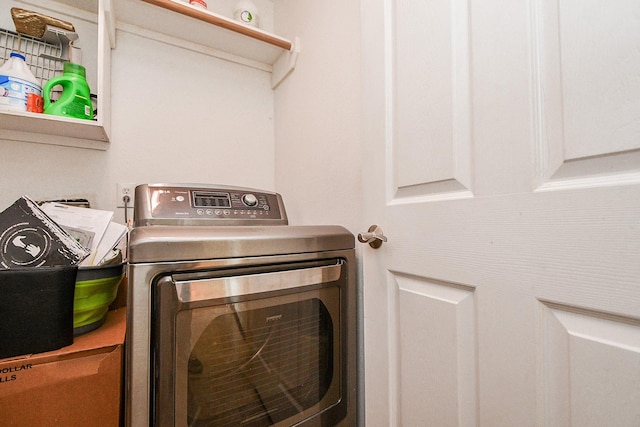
(208, 205)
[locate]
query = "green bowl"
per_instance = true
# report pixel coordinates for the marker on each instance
(96, 288)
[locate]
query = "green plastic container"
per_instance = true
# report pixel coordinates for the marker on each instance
(96, 288)
(75, 100)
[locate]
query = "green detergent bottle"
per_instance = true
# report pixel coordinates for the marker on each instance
(75, 100)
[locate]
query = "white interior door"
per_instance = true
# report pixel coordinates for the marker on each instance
(503, 165)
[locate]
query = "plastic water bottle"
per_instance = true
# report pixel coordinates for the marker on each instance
(75, 100)
(19, 88)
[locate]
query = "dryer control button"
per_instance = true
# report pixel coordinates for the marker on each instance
(249, 200)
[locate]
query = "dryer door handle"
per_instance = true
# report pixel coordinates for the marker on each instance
(225, 287)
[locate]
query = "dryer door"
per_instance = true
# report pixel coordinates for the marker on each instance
(255, 349)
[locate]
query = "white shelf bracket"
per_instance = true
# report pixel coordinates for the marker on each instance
(106, 8)
(285, 64)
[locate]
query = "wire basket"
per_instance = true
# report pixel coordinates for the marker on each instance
(40, 56)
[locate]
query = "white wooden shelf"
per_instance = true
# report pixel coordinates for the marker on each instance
(222, 21)
(56, 130)
(222, 35)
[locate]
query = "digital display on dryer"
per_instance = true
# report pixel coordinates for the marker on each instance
(203, 199)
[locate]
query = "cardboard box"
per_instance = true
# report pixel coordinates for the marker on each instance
(78, 385)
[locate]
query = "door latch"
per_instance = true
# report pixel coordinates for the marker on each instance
(374, 237)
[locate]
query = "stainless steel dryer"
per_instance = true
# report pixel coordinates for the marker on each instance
(234, 317)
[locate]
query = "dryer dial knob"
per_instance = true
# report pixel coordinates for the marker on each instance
(249, 200)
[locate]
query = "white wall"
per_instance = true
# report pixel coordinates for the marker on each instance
(318, 142)
(177, 116)
(317, 127)
(182, 116)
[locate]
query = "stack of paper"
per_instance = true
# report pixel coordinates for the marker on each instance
(29, 238)
(92, 228)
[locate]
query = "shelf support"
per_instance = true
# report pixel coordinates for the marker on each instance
(110, 21)
(285, 64)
